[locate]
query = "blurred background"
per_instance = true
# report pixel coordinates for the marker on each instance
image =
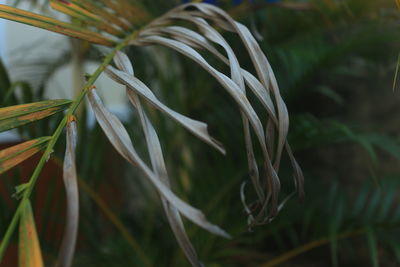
(335, 61)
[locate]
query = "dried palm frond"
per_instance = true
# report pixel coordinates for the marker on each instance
(185, 41)
(265, 87)
(107, 21)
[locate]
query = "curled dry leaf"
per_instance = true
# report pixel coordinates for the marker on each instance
(119, 138)
(12, 156)
(29, 252)
(15, 116)
(261, 64)
(157, 160)
(196, 40)
(136, 86)
(231, 87)
(68, 243)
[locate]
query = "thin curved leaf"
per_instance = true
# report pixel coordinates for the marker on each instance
(138, 87)
(66, 253)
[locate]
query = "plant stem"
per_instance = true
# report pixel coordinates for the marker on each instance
(49, 149)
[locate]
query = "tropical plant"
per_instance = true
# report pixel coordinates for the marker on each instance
(329, 58)
(187, 29)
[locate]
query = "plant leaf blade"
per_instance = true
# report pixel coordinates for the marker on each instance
(15, 116)
(50, 24)
(136, 86)
(12, 156)
(68, 243)
(30, 254)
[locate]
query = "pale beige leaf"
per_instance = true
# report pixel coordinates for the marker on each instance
(136, 86)
(68, 243)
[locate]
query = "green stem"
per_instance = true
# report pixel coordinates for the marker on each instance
(49, 149)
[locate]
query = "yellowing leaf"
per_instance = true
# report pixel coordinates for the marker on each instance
(108, 17)
(14, 155)
(75, 11)
(29, 252)
(125, 9)
(51, 24)
(15, 116)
